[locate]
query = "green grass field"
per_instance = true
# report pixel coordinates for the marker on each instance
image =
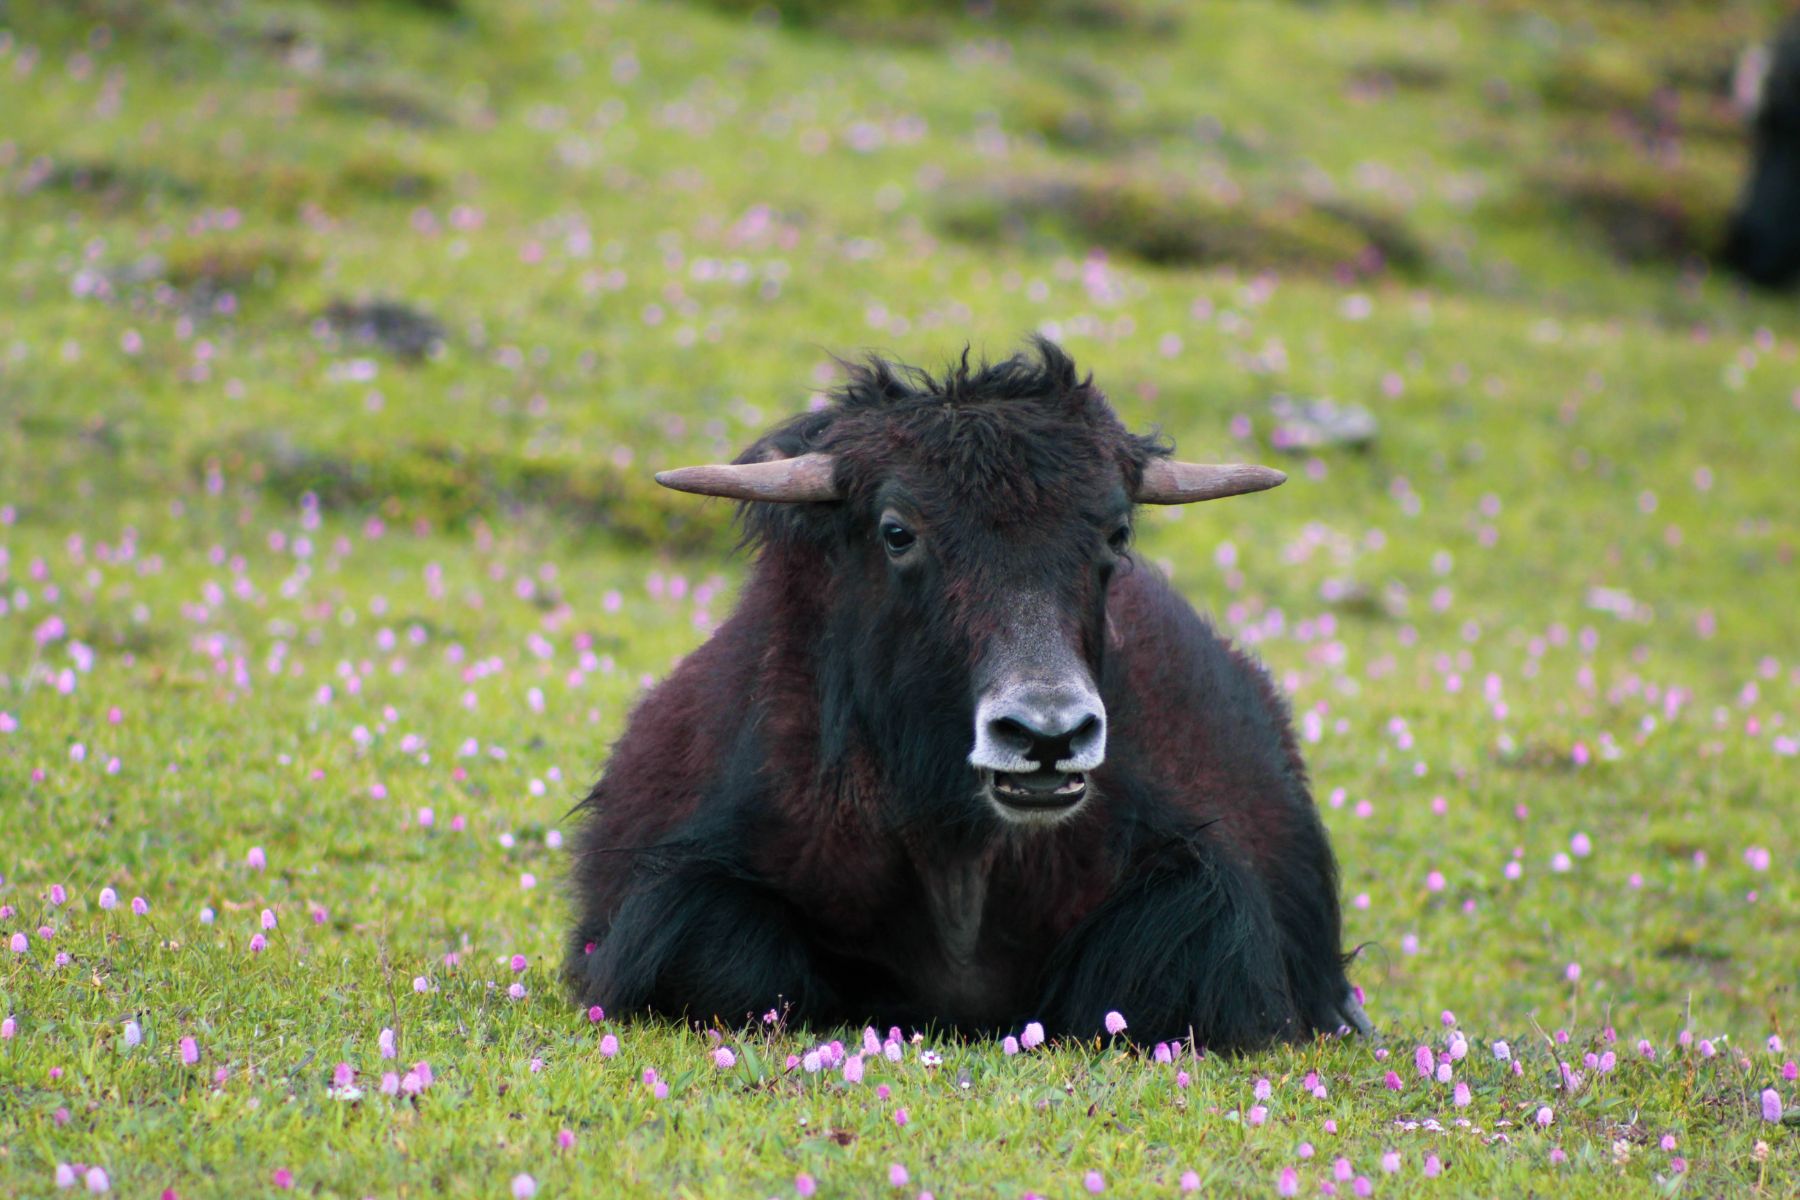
(309, 639)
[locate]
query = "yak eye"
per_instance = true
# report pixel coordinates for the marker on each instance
(896, 537)
(1121, 538)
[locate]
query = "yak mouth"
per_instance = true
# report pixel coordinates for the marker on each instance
(1041, 791)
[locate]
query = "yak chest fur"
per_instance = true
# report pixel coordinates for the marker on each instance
(966, 963)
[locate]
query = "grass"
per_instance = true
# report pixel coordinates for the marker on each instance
(266, 585)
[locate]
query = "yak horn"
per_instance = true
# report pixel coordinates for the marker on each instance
(1170, 482)
(807, 477)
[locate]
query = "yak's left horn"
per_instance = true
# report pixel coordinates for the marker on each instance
(806, 477)
(1170, 482)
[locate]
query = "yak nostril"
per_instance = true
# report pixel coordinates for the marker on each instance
(1013, 734)
(1045, 747)
(1026, 730)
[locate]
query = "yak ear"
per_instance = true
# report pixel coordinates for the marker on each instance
(1169, 482)
(805, 477)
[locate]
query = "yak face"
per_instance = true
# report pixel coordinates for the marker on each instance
(985, 605)
(982, 517)
(959, 534)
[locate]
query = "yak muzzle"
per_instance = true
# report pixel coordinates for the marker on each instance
(1035, 744)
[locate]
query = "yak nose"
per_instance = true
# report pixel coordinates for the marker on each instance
(1040, 729)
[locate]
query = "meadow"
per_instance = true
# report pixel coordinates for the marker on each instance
(339, 343)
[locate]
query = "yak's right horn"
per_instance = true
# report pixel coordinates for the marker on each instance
(785, 480)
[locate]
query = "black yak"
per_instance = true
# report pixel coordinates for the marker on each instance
(958, 759)
(1763, 244)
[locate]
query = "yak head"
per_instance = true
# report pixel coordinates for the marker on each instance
(959, 534)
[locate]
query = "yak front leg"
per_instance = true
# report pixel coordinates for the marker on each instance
(700, 945)
(1189, 947)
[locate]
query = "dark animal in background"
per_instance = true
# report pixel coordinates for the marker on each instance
(958, 759)
(1764, 241)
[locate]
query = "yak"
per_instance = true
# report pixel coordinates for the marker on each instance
(960, 759)
(1763, 241)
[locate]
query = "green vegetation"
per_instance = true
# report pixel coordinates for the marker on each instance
(372, 597)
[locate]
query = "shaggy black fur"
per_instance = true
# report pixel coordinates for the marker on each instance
(790, 820)
(1764, 241)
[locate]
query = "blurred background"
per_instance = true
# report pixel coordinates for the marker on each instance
(340, 340)
(442, 258)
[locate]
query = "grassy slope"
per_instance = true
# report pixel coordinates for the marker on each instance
(1549, 419)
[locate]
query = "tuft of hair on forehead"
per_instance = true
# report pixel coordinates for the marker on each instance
(1046, 377)
(1015, 438)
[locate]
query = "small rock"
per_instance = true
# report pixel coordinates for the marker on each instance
(400, 330)
(1302, 426)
